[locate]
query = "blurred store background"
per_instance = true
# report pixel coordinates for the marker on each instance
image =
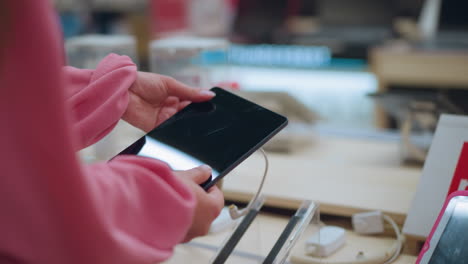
(363, 66)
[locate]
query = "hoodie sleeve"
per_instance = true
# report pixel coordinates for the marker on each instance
(53, 209)
(98, 98)
(142, 210)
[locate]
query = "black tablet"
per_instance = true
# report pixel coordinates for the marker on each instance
(221, 133)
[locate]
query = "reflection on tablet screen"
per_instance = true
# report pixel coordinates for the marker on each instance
(176, 159)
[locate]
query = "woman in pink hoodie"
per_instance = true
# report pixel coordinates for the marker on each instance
(53, 209)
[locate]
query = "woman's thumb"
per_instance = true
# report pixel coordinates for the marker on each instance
(199, 174)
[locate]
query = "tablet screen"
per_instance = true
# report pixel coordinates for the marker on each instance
(452, 246)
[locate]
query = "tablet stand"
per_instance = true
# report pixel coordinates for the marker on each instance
(288, 238)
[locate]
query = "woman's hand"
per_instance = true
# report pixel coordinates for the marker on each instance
(209, 204)
(154, 98)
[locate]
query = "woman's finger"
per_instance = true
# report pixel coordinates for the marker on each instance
(185, 92)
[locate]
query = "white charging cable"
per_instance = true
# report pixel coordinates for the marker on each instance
(235, 212)
(400, 239)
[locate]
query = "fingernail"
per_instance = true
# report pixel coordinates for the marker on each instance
(207, 92)
(205, 167)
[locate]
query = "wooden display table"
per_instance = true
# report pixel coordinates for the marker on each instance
(343, 175)
(261, 236)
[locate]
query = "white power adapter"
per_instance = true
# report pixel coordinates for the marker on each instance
(329, 239)
(368, 223)
(326, 241)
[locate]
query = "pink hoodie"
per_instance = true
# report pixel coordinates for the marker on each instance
(52, 208)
